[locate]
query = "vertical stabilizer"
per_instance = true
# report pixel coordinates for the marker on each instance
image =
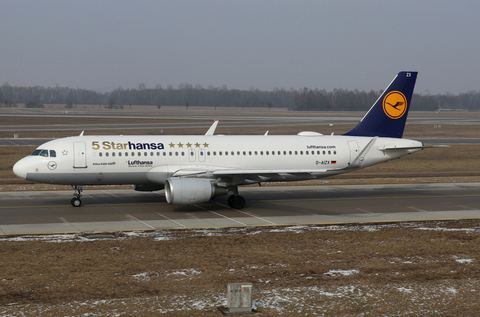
(388, 115)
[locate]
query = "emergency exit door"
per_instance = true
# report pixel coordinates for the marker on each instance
(80, 155)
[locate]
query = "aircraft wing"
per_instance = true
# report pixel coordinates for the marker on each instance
(228, 177)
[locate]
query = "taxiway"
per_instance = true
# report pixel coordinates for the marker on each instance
(126, 210)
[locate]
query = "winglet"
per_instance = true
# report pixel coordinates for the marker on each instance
(388, 115)
(211, 131)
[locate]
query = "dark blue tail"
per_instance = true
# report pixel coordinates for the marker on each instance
(388, 114)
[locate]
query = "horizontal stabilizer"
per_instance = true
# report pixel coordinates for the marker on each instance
(411, 147)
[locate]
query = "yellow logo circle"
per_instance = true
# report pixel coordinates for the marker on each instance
(395, 104)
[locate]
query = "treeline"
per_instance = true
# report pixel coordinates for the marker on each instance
(348, 100)
(190, 96)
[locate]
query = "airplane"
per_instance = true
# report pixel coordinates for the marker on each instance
(194, 169)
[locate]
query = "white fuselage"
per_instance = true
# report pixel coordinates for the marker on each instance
(109, 160)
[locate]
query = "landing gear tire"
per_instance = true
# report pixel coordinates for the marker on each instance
(76, 202)
(236, 202)
(230, 201)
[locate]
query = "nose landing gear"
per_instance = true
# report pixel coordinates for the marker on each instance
(76, 202)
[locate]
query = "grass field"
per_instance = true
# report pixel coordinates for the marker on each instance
(405, 269)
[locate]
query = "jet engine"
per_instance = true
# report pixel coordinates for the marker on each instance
(189, 191)
(147, 187)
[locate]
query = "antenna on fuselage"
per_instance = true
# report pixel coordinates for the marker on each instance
(81, 134)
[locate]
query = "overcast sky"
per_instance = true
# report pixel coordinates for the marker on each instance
(101, 45)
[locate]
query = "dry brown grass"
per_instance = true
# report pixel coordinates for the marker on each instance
(432, 269)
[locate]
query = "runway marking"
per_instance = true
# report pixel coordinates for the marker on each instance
(68, 223)
(169, 219)
(467, 207)
(264, 200)
(418, 209)
(247, 213)
(218, 214)
(368, 212)
(121, 198)
(133, 217)
(366, 198)
(125, 213)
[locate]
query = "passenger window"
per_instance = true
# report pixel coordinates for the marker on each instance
(249, 152)
(53, 153)
(238, 153)
(183, 153)
(261, 152)
(295, 152)
(133, 153)
(244, 153)
(214, 153)
(139, 153)
(151, 153)
(233, 153)
(126, 153)
(145, 153)
(100, 154)
(290, 152)
(119, 153)
(335, 152)
(284, 152)
(158, 153)
(323, 152)
(273, 153)
(170, 153)
(106, 154)
(113, 154)
(176, 153)
(306, 152)
(208, 153)
(329, 152)
(256, 153)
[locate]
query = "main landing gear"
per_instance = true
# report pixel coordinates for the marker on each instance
(76, 202)
(236, 202)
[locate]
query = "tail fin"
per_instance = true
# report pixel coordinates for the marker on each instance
(387, 116)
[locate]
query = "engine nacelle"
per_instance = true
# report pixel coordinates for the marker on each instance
(189, 191)
(147, 187)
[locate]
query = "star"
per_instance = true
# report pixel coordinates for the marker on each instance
(189, 145)
(197, 144)
(65, 152)
(172, 145)
(180, 145)
(205, 144)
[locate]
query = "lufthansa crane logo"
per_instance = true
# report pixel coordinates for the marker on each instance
(395, 104)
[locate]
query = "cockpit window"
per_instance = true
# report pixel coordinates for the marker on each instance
(44, 153)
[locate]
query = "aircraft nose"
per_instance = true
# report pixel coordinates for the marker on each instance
(20, 169)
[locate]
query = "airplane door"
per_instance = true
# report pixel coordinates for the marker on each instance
(201, 155)
(191, 155)
(353, 145)
(80, 156)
